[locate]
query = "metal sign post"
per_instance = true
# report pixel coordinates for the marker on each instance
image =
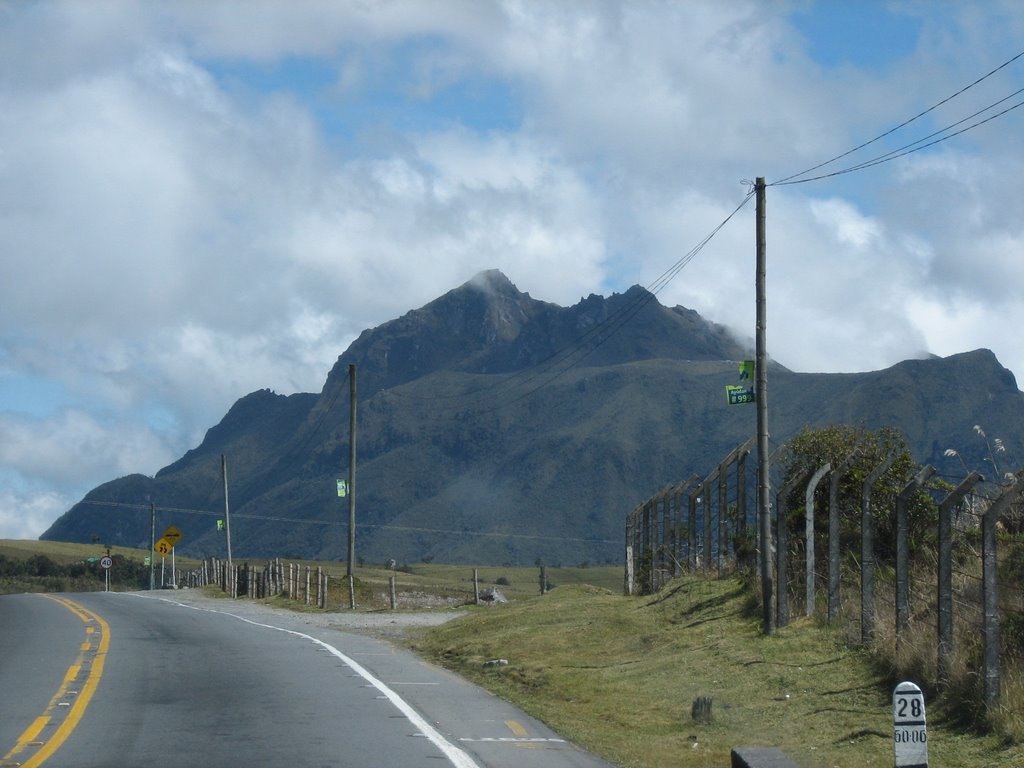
(106, 563)
(167, 543)
(910, 732)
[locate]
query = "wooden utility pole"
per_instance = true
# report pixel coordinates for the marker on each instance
(351, 468)
(763, 479)
(152, 546)
(227, 514)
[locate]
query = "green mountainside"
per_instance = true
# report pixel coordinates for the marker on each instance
(495, 428)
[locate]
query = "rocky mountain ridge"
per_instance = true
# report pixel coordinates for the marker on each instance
(496, 428)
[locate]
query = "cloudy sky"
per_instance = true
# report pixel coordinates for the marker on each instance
(201, 199)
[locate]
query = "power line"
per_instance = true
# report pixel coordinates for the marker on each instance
(898, 127)
(912, 147)
(380, 526)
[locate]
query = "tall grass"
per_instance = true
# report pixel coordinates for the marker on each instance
(619, 675)
(958, 701)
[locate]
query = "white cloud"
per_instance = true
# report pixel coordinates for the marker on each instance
(74, 447)
(26, 515)
(177, 234)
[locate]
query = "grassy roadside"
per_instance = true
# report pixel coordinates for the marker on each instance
(64, 567)
(618, 676)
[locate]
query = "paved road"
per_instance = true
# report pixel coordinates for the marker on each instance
(108, 679)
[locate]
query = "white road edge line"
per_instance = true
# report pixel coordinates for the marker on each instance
(458, 757)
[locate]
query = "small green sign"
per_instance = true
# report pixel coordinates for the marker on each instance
(738, 395)
(747, 371)
(342, 488)
(220, 525)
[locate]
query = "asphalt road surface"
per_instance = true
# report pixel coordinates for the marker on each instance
(114, 680)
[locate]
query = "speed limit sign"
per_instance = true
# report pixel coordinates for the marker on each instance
(106, 562)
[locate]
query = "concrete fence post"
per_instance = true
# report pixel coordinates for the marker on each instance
(945, 576)
(809, 579)
(903, 551)
(834, 535)
(867, 552)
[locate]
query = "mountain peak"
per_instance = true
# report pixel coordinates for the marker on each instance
(492, 281)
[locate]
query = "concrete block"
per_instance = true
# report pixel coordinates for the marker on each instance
(760, 757)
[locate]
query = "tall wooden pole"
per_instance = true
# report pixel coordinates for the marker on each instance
(152, 546)
(763, 479)
(351, 468)
(227, 511)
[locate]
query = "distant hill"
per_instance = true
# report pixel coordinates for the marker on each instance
(496, 428)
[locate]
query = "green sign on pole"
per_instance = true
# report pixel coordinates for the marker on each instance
(738, 395)
(342, 488)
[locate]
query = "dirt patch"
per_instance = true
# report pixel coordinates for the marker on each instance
(418, 610)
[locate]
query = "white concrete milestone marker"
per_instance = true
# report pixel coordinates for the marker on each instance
(911, 735)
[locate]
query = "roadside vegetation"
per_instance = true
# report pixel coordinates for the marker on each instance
(620, 675)
(51, 566)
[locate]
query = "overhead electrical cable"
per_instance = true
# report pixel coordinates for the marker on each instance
(901, 125)
(382, 526)
(915, 146)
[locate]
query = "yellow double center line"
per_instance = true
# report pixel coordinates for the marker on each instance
(51, 729)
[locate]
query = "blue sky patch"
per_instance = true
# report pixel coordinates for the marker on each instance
(867, 34)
